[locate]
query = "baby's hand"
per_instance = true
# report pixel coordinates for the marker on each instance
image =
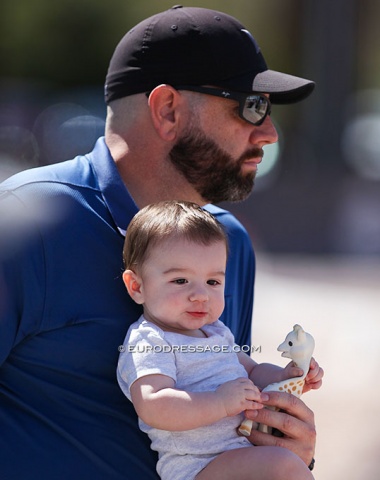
(239, 395)
(313, 379)
(291, 371)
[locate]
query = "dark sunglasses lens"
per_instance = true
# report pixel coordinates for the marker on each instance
(255, 108)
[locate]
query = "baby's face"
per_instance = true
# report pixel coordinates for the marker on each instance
(182, 284)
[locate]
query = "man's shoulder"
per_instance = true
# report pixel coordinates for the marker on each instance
(235, 230)
(71, 172)
(224, 216)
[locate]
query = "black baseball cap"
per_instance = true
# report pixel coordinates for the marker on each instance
(196, 46)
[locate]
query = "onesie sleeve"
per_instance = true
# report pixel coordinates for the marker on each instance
(144, 352)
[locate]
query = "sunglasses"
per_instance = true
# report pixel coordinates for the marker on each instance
(253, 107)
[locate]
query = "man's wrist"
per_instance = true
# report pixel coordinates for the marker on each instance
(312, 463)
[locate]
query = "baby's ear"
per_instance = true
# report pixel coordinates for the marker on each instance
(133, 282)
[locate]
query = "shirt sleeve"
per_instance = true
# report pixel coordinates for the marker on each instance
(145, 352)
(22, 275)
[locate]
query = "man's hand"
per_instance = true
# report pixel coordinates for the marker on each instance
(295, 421)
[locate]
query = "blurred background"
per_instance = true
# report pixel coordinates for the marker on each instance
(314, 216)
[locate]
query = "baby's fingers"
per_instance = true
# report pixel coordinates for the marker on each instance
(254, 394)
(291, 371)
(314, 377)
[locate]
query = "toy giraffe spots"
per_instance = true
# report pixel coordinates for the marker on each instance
(299, 347)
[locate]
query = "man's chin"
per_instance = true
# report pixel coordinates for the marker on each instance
(233, 197)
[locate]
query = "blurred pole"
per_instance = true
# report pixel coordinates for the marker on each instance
(329, 58)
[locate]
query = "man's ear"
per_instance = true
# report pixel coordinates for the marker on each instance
(133, 283)
(164, 101)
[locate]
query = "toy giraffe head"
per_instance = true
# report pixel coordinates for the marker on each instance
(299, 347)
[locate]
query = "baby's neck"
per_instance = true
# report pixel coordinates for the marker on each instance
(193, 333)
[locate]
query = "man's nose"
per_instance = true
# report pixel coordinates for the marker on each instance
(264, 134)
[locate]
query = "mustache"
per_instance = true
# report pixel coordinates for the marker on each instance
(252, 153)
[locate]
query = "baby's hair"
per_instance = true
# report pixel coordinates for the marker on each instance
(166, 220)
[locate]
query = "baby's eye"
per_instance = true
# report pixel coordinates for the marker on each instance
(180, 281)
(213, 282)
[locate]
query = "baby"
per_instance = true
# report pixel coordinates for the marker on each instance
(189, 382)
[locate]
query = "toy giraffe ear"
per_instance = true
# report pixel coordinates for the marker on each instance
(299, 332)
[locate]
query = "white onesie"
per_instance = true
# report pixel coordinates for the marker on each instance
(196, 365)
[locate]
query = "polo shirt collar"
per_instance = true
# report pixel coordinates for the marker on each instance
(115, 194)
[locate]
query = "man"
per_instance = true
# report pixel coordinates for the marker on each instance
(188, 94)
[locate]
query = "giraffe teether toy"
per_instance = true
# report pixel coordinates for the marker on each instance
(299, 347)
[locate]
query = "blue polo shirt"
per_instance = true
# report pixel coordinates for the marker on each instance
(64, 311)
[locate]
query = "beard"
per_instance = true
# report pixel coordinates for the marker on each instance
(214, 174)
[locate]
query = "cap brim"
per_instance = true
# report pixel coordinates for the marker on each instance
(282, 88)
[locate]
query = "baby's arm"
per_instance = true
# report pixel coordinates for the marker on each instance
(162, 406)
(264, 374)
